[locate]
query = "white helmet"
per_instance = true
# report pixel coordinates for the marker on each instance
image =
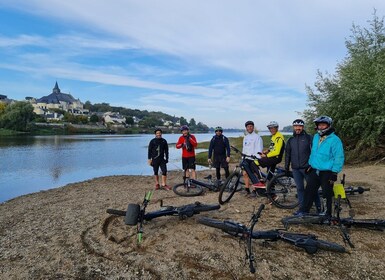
(272, 124)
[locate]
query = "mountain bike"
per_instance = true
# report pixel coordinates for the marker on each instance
(310, 243)
(342, 223)
(193, 187)
(136, 214)
(281, 189)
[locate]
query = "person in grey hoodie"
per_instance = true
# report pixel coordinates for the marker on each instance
(297, 153)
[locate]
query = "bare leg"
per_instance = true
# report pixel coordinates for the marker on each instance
(164, 180)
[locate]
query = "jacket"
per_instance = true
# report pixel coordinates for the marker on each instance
(327, 155)
(182, 144)
(297, 150)
(252, 144)
(277, 146)
(220, 146)
(158, 149)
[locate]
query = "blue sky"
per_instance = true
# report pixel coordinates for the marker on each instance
(220, 62)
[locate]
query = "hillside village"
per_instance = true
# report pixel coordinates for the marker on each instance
(52, 109)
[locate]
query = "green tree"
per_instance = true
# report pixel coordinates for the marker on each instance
(129, 120)
(355, 95)
(17, 116)
(183, 121)
(94, 118)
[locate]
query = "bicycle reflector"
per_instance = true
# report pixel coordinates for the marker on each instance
(339, 190)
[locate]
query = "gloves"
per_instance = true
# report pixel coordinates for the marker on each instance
(333, 177)
(308, 170)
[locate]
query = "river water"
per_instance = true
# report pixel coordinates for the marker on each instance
(34, 163)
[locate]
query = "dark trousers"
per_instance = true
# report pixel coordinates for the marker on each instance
(315, 180)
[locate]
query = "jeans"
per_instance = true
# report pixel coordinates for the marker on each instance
(300, 177)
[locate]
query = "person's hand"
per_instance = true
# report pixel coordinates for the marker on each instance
(333, 177)
(166, 160)
(227, 159)
(209, 161)
(149, 162)
(308, 170)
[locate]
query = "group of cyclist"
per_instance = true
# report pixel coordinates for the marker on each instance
(315, 160)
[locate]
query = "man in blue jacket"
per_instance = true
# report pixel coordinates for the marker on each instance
(325, 162)
(297, 153)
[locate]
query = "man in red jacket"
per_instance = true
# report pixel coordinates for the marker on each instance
(187, 142)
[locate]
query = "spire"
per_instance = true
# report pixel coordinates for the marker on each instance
(56, 89)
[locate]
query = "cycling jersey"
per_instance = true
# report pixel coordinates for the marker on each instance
(252, 144)
(277, 146)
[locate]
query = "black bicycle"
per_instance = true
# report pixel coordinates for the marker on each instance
(310, 243)
(136, 214)
(342, 223)
(281, 189)
(193, 187)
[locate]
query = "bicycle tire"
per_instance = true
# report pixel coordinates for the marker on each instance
(373, 224)
(282, 191)
(226, 226)
(184, 190)
(132, 214)
(330, 246)
(205, 207)
(116, 212)
(229, 188)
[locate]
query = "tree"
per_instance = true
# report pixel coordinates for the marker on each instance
(17, 116)
(2, 107)
(94, 118)
(130, 120)
(355, 95)
(183, 121)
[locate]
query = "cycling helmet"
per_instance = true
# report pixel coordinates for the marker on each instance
(218, 128)
(272, 124)
(323, 119)
(249, 122)
(299, 122)
(184, 127)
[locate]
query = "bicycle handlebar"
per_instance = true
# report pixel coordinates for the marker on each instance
(242, 154)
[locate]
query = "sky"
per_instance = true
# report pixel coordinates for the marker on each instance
(220, 62)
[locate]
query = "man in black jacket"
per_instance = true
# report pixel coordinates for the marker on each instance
(297, 154)
(158, 157)
(220, 146)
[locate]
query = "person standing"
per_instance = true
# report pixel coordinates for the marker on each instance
(252, 146)
(158, 157)
(297, 153)
(187, 142)
(325, 162)
(220, 146)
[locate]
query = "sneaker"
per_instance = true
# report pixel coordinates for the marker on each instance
(166, 187)
(253, 194)
(157, 187)
(300, 213)
(259, 185)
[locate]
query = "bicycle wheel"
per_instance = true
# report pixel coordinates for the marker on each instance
(185, 189)
(205, 207)
(229, 188)
(282, 191)
(330, 246)
(374, 224)
(116, 212)
(227, 226)
(132, 214)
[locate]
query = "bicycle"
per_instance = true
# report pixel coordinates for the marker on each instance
(136, 214)
(342, 223)
(193, 187)
(281, 189)
(309, 242)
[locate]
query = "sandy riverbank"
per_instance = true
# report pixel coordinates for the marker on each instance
(65, 233)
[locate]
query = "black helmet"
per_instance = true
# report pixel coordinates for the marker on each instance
(218, 128)
(323, 119)
(299, 122)
(158, 129)
(249, 122)
(184, 127)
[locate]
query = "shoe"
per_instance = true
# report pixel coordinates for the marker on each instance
(253, 194)
(157, 187)
(300, 213)
(259, 185)
(166, 187)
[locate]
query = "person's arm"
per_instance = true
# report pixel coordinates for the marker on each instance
(210, 154)
(227, 145)
(288, 154)
(338, 154)
(180, 142)
(277, 148)
(193, 141)
(166, 149)
(149, 150)
(258, 148)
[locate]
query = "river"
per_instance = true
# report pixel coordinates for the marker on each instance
(34, 163)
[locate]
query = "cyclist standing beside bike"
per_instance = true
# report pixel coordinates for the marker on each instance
(187, 142)
(326, 161)
(297, 155)
(158, 157)
(220, 145)
(252, 146)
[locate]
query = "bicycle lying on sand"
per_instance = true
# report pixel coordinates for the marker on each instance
(342, 223)
(193, 187)
(308, 242)
(281, 189)
(136, 214)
